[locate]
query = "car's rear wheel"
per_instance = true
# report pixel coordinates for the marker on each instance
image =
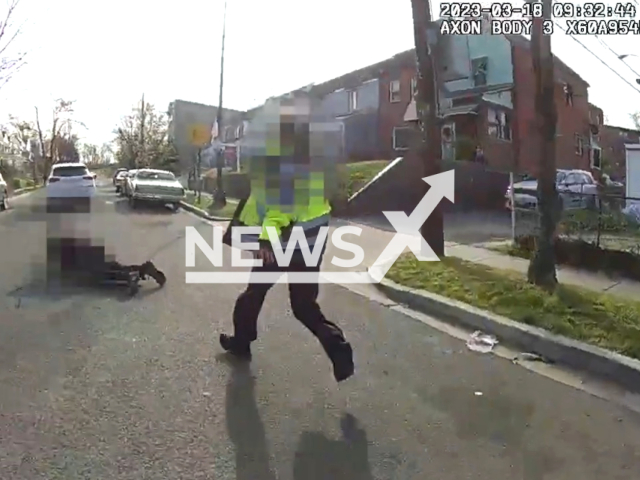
(3, 203)
(176, 207)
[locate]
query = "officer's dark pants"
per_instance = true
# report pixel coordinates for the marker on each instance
(303, 298)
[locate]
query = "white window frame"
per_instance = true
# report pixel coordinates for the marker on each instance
(352, 100)
(414, 87)
(394, 138)
(394, 89)
(496, 128)
(578, 145)
(592, 159)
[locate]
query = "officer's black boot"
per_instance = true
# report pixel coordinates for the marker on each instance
(149, 269)
(341, 356)
(235, 347)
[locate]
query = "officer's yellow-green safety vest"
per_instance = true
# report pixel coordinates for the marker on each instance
(311, 217)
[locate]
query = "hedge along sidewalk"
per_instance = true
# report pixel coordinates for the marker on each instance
(492, 257)
(202, 208)
(22, 191)
(502, 303)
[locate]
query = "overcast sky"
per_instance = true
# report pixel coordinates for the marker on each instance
(105, 54)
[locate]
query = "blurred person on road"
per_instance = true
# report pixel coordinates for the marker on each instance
(290, 167)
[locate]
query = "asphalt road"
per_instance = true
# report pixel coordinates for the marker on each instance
(97, 386)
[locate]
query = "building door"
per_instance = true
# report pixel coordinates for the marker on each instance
(633, 175)
(448, 138)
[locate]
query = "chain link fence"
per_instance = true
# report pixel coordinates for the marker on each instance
(598, 227)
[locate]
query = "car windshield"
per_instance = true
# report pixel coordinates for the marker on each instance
(155, 176)
(70, 171)
(121, 174)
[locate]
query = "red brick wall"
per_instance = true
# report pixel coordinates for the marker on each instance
(500, 154)
(571, 120)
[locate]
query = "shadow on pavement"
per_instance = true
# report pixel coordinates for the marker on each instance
(58, 289)
(245, 426)
(122, 207)
(318, 457)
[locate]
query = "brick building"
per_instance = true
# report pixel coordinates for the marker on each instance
(498, 115)
(573, 131)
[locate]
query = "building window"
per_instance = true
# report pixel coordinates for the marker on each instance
(414, 88)
(402, 138)
(499, 124)
(567, 89)
(479, 68)
(579, 145)
(394, 91)
(596, 158)
(353, 101)
(228, 134)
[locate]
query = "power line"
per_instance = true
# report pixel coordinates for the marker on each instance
(599, 59)
(619, 57)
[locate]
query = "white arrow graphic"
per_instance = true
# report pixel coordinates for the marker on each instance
(408, 227)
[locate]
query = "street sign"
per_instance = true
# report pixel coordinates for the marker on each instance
(199, 135)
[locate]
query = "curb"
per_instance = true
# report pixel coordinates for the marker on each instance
(580, 356)
(202, 213)
(22, 191)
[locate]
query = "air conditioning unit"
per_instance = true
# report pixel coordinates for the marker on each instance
(448, 133)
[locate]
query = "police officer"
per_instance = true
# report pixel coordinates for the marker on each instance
(302, 204)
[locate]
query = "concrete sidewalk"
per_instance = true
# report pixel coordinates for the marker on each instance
(374, 240)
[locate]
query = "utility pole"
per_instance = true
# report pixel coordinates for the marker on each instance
(542, 269)
(219, 197)
(199, 175)
(429, 148)
(143, 114)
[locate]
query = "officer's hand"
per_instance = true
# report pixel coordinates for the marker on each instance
(266, 255)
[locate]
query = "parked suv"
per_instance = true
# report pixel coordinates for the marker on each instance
(70, 186)
(577, 189)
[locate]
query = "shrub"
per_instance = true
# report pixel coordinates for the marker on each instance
(16, 183)
(584, 255)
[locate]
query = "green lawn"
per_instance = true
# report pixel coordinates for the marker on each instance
(361, 173)
(603, 320)
(206, 203)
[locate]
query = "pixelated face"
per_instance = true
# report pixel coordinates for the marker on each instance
(292, 147)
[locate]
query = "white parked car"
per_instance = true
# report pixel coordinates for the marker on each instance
(70, 184)
(577, 188)
(4, 194)
(155, 186)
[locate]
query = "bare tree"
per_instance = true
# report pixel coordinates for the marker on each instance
(9, 64)
(60, 127)
(21, 136)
